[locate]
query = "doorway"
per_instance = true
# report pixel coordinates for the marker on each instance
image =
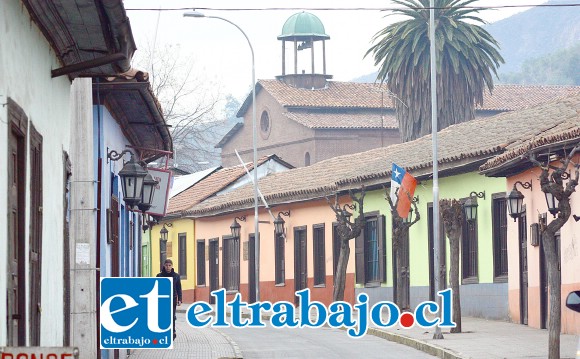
(522, 235)
(252, 269)
(213, 267)
(300, 264)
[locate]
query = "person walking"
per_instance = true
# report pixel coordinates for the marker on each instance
(168, 271)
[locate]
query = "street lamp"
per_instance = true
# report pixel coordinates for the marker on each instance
(149, 184)
(470, 205)
(515, 200)
(235, 227)
(254, 143)
(132, 177)
(279, 223)
(552, 202)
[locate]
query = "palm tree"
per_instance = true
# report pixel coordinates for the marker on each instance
(467, 56)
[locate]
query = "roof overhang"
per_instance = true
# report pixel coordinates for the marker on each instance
(90, 38)
(139, 114)
(519, 161)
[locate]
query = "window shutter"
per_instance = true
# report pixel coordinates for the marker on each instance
(359, 257)
(382, 239)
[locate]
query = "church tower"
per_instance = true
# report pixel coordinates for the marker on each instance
(306, 32)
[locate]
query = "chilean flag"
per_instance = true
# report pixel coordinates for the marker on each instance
(405, 183)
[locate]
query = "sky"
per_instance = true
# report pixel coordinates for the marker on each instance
(220, 56)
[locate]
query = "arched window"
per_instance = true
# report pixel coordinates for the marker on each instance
(265, 125)
(307, 159)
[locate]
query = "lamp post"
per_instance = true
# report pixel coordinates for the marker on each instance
(255, 147)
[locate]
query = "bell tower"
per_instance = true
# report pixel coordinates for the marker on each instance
(306, 32)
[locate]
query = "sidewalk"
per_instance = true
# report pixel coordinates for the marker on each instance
(480, 339)
(193, 343)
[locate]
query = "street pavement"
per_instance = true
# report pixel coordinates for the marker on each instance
(481, 339)
(193, 343)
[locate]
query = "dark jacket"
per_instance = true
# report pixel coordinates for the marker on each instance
(176, 282)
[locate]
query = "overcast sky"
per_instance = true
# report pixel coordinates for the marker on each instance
(219, 52)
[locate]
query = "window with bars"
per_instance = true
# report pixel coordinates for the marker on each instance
(319, 257)
(371, 251)
(370, 254)
(200, 262)
(231, 263)
(182, 255)
(280, 270)
(469, 252)
(499, 224)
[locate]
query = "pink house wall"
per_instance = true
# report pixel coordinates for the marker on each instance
(570, 253)
(301, 214)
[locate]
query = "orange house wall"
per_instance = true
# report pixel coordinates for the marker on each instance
(301, 214)
(570, 254)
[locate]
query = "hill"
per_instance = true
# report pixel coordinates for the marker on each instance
(536, 32)
(532, 37)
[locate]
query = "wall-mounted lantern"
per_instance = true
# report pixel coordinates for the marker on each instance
(132, 177)
(470, 205)
(279, 223)
(552, 202)
(515, 200)
(235, 227)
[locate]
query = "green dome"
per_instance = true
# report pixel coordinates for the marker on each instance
(302, 26)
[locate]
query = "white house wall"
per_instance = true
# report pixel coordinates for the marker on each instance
(25, 63)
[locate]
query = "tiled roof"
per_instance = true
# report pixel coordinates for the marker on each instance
(369, 95)
(458, 145)
(517, 97)
(366, 119)
(210, 185)
(562, 126)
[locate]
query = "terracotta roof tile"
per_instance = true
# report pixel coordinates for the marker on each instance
(210, 185)
(369, 95)
(562, 125)
(458, 145)
(367, 119)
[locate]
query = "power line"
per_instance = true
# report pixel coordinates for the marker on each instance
(352, 8)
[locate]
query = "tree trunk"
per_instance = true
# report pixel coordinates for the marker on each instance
(340, 281)
(454, 282)
(452, 213)
(555, 290)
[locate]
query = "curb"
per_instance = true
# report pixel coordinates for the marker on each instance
(237, 351)
(396, 338)
(416, 344)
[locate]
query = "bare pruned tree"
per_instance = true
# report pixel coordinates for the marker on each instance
(189, 103)
(346, 230)
(400, 232)
(452, 213)
(552, 181)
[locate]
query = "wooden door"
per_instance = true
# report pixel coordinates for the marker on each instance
(16, 300)
(35, 239)
(115, 237)
(300, 264)
(522, 234)
(213, 267)
(543, 288)
(252, 269)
